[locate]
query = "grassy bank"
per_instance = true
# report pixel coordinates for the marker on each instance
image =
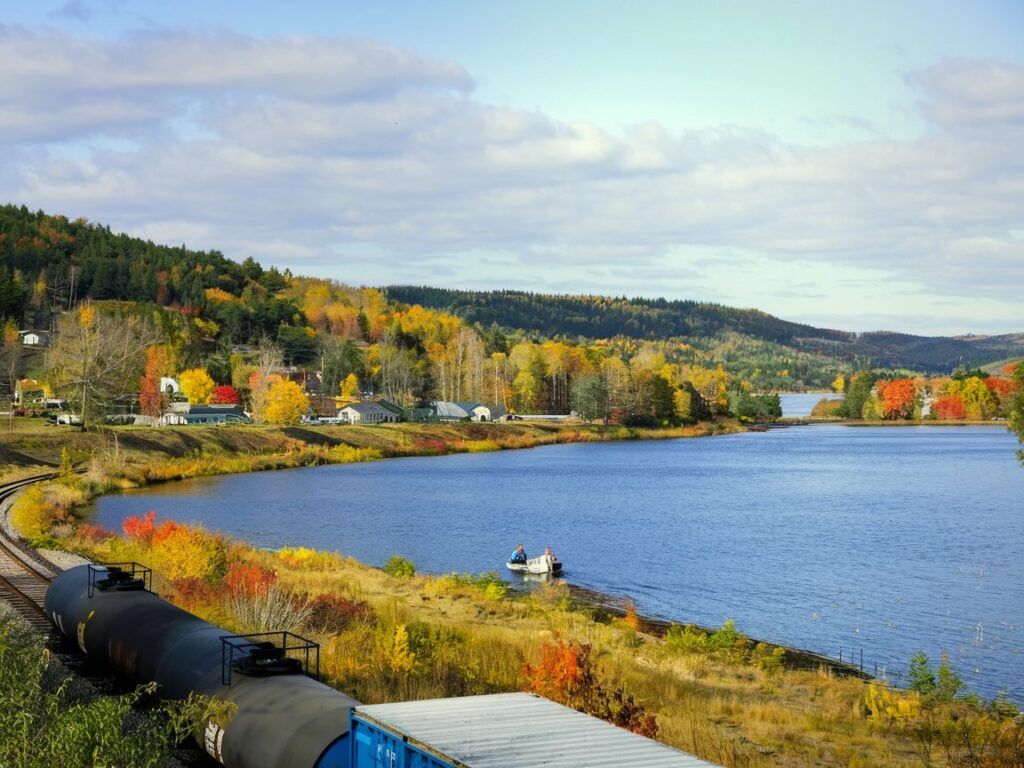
(31, 443)
(394, 634)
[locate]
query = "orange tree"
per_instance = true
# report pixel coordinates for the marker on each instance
(567, 674)
(898, 398)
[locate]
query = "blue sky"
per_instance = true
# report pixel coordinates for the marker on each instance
(847, 164)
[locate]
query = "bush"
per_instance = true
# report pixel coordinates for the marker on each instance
(43, 726)
(303, 558)
(29, 514)
(688, 639)
(567, 674)
(400, 567)
(331, 614)
(769, 659)
(827, 408)
(277, 609)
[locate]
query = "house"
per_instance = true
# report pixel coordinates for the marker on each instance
(449, 411)
(202, 414)
(215, 414)
(367, 413)
(402, 413)
(34, 338)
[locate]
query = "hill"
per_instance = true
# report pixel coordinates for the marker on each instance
(601, 317)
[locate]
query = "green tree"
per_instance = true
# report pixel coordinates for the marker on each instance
(947, 682)
(663, 403)
(922, 677)
(1017, 408)
(590, 398)
(857, 394)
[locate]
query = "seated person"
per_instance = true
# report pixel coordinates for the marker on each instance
(519, 556)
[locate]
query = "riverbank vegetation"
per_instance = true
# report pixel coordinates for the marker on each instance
(395, 634)
(965, 395)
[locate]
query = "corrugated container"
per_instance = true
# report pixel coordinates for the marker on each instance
(506, 730)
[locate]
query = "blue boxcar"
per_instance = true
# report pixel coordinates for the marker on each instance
(508, 730)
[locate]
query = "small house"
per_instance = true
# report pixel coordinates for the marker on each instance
(367, 413)
(449, 411)
(34, 338)
(215, 414)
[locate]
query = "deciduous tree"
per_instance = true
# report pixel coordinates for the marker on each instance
(225, 394)
(898, 398)
(285, 403)
(197, 386)
(97, 358)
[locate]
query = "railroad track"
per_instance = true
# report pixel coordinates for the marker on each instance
(23, 577)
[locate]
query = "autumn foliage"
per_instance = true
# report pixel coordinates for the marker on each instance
(567, 674)
(178, 551)
(151, 399)
(949, 408)
(249, 579)
(898, 398)
(225, 394)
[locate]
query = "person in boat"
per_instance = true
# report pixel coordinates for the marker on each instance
(549, 557)
(519, 556)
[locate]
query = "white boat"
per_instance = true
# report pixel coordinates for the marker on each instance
(537, 565)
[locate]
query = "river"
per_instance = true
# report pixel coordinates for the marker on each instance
(881, 540)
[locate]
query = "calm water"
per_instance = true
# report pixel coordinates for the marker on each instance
(887, 540)
(799, 404)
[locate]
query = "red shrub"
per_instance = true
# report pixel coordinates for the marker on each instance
(431, 446)
(567, 674)
(136, 527)
(166, 530)
(193, 594)
(332, 613)
(249, 579)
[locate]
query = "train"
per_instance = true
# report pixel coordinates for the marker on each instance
(284, 717)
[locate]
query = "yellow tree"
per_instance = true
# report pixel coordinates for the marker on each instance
(285, 403)
(350, 388)
(839, 383)
(197, 386)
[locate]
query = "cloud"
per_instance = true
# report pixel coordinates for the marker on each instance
(305, 150)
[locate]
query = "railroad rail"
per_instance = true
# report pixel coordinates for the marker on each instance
(23, 577)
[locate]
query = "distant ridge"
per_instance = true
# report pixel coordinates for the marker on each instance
(600, 317)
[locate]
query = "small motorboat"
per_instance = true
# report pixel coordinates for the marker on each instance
(545, 564)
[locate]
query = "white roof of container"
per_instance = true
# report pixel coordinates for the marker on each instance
(520, 730)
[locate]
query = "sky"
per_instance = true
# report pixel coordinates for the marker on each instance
(855, 165)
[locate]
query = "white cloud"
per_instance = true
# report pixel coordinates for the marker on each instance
(298, 149)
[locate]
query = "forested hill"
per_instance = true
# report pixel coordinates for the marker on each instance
(598, 317)
(48, 262)
(603, 317)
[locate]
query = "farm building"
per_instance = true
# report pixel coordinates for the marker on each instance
(367, 413)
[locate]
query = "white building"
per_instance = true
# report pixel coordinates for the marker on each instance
(33, 338)
(367, 413)
(448, 411)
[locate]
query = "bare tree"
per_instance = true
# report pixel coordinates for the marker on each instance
(10, 359)
(269, 361)
(97, 358)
